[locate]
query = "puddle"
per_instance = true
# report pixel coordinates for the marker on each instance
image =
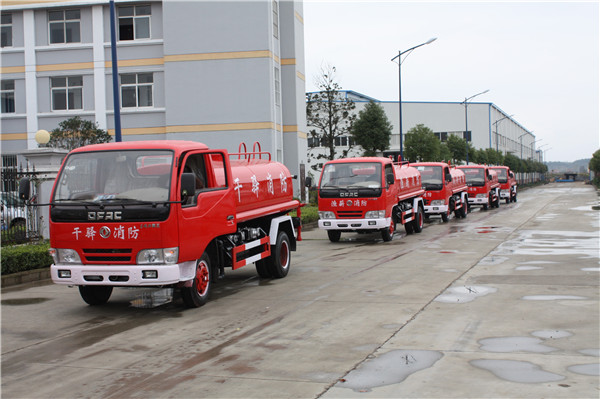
(552, 297)
(590, 352)
(24, 301)
(547, 216)
(450, 270)
(524, 268)
(389, 368)
(514, 344)
(552, 243)
(551, 334)
(585, 369)
(536, 262)
(152, 297)
(516, 371)
(591, 269)
(492, 260)
(464, 294)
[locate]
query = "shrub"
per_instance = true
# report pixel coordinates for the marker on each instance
(25, 257)
(308, 214)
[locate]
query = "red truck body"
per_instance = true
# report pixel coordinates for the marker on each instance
(168, 213)
(508, 183)
(446, 189)
(484, 188)
(369, 194)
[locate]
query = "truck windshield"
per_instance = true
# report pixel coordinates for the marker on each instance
(115, 176)
(431, 177)
(351, 175)
(474, 176)
(502, 175)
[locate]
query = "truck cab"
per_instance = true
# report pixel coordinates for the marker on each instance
(445, 189)
(508, 183)
(484, 189)
(368, 194)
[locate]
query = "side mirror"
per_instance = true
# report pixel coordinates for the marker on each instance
(188, 185)
(489, 177)
(448, 178)
(308, 181)
(389, 178)
(24, 189)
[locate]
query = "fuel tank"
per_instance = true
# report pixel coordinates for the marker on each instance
(409, 181)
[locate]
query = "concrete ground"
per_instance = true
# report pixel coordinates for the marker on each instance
(504, 303)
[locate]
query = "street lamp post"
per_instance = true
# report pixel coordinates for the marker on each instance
(496, 123)
(467, 119)
(400, 86)
(521, 142)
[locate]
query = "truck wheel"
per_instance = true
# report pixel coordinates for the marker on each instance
(515, 198)
(445, 217)
(418, 222)
(388, 234)
(197, 295)
(279, 261)
(507, 200)
(334, 235)
(95, 294)
(409, 228)
(263, 269)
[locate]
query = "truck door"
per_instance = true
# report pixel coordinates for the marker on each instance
(210, 212)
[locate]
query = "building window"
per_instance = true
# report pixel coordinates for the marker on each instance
(277, 87)
(67, 93)
(136, 90)
(134, 22)
(6, 25)
(7, 94)
(313, 142)
(275, 19)
(64, 26)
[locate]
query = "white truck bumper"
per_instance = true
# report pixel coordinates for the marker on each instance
(436, 209)
(478, 201)
(122, 275)
(504, 193)
(354, 224)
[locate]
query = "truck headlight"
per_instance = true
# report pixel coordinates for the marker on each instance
(326, 215)
(158, 256)
(481, 196)
(64, 255)
(438, 202)
(375, 214)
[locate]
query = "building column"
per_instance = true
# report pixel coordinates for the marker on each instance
(99, 70)
(31, 94)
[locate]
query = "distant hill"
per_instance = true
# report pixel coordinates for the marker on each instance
(579, 166)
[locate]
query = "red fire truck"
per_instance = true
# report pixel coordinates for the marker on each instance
(167, 214)
(484, 189)
(508, 183)
(445, 189)
(369, 194)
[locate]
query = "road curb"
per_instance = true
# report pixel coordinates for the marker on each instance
(28, 276)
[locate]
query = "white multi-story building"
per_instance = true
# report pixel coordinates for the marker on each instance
(216, 72)
(486, 125)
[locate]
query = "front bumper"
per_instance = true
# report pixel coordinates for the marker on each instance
(478, 201)
(123, 275)
(435, 209)
(504, 193)
(354, 224)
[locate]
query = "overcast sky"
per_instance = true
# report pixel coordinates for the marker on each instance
(540, 60)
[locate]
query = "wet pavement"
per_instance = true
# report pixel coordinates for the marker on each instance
(504, 303)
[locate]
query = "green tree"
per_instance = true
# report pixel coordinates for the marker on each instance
(494, 157)
(594, 164)
(445, 153)
(513, 162)
(421, 145)
(479, 156)
(457, 147)
(329, 114)
(372, 129)
(76, 132)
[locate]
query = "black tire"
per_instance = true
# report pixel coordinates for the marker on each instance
(95, 295)
(409, 228)
(279, 261)
(445, 217)
(418, 222)
(507, 200)
(484, 207)
(197, 295)
(334, 235)
(263, 269)
(388, 234)
(515, 198)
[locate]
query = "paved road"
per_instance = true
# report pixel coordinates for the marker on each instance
(504, 303)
